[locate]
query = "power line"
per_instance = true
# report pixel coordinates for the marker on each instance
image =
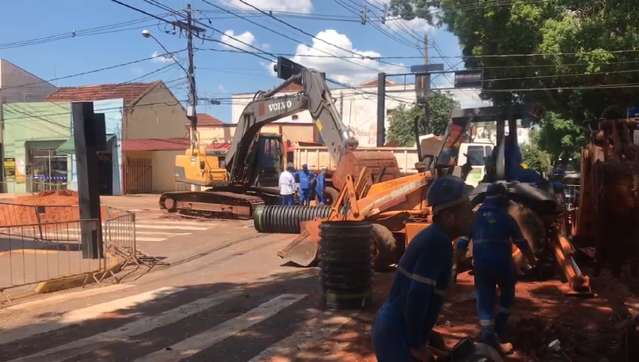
(309, 34)
(110, 67)
(98, 30)
(286, 36)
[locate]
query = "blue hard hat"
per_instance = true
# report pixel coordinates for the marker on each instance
(446, 192)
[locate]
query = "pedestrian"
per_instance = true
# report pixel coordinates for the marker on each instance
(287, 185)
(404, 322)
(305, 180)
(320, 185)
(493, 234)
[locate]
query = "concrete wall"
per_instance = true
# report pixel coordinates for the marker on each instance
(294, 132)
(317, 157)
(157, 115)
(18, 85)
(38, 121)
(359, 107)
(163, 164)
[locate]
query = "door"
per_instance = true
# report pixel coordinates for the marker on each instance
(138, 175)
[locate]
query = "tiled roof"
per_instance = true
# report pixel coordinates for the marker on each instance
(155, 144)
(205, 119)
(223, 146)
(129, 92)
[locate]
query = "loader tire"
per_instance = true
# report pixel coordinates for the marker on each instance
(386, 252)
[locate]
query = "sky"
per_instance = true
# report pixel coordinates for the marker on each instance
(116, 38)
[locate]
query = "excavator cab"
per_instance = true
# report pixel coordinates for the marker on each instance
(199, 166)
(269, 160)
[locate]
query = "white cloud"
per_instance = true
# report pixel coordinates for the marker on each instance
(418, 25)
(304, 6)
(349, 70)
(161, 57)
(220, 88)
(229, 37)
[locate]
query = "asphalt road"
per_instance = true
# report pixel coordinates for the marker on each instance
(225, 296)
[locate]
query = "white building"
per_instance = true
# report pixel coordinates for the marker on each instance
(358, 107)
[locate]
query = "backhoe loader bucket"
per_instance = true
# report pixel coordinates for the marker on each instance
(303, 250)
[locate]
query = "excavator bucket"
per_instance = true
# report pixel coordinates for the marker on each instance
(303, 250)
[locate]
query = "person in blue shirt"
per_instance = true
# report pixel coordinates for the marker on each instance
(320, 185)
(493, 234)
(305, 180)
(404, 322)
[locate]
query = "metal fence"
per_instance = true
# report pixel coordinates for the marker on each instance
(43, 251)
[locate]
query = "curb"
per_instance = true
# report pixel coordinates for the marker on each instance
(74, 281)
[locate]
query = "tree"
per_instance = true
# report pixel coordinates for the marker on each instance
(535, 157)
(402, 120)
(561, 138)
(573, 45)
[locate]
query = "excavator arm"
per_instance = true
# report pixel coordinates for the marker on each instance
(267, 107)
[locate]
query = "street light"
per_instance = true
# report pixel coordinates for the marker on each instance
(147, 34)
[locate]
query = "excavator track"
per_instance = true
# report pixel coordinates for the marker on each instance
(218, 203)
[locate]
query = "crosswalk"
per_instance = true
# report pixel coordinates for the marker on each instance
(170, 324)
(162, 229)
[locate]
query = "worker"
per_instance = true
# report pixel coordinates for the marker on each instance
(404, 322)
(320, 185)
(287, 185)
(493, 234)
(305, 180)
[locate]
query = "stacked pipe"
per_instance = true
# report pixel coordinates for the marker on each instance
(346, 268)
(285, 219)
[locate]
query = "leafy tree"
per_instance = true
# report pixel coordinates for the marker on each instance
(575, 45)
(561, 138)
(402, 120)
(535, 157)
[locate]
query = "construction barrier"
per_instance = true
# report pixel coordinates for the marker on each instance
(37, 252)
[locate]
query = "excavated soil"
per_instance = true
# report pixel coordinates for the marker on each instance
(46, 207)
(588, 329)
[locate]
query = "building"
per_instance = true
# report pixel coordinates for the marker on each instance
(358, 107)
(144, 126)
(18, 85)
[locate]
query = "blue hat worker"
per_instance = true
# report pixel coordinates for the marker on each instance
(320, 186)
(493, 234)
(404, 322)
(305, 179)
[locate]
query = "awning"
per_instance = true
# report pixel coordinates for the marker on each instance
(67, 148)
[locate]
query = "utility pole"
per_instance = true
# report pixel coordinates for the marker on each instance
(191, 110)
(381, 109)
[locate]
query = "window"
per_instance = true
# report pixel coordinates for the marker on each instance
(295, 117)
(475, 155)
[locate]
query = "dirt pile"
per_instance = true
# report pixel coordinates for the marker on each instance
(45, 207)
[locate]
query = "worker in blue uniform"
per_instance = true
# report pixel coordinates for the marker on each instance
(320, 185)
(404, 322)
(493, 234)
(305, 180)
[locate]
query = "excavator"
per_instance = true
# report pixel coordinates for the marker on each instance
(246, 175)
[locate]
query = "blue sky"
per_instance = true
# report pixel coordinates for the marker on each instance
(218, 74)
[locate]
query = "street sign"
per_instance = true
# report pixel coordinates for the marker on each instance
(426, 68)
(468, 79)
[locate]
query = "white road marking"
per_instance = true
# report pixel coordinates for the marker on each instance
(125, 332)
(169, 227)
(122, 303)
(220, 332)
(314, 330)
(84, 314)
(178, 222)
(67, 296)
(159, 233)
(146, 238)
